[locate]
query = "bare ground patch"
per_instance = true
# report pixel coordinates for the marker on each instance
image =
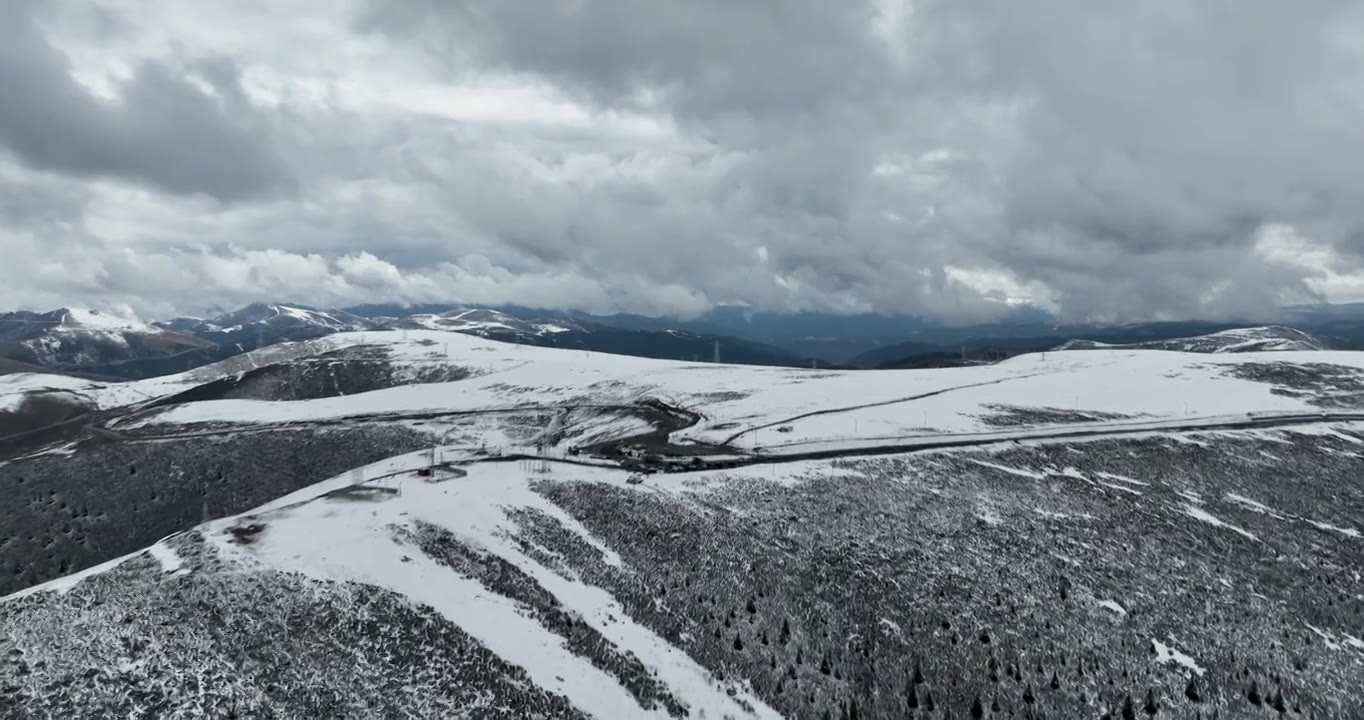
(1321, 384)
(1017, 415)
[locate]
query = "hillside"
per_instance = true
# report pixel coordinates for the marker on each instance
(1145, 336)
(86, 341)
(484, 321)
(1237, 340)
(1068, 535)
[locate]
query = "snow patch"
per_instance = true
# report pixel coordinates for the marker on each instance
(1167, 654)
(1207, 517)
(1252, 505)
(170, 561)
(1114, 606)
(1012, 471)
(1071, 472)
(1122, 479)
(1332, 642)
(96, 320)
(985, 511)
(1347, 532)
(1052, 515)
(1121, 488)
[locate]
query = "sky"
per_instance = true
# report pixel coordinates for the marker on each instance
(1108, 161)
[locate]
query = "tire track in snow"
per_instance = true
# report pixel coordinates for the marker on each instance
(880, 403)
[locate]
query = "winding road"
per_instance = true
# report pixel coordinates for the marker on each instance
(659, 453)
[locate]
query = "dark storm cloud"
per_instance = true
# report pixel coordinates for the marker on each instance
(708, 57)
(1165, 133)
(1128, 157)
(38, 203)
(162, 129)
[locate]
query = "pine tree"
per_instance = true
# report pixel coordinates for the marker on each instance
(1128, 712)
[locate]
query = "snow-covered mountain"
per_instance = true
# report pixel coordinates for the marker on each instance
(97, 343)
(280, 322)
(199, 341)
(1238, 340)
(263, 324)
(486, 322)
(432, 524)
(80, 339)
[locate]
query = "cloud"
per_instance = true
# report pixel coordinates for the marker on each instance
(185, 128)
(1110, 154)
(921, 156)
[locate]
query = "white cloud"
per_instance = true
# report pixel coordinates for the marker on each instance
(901, 156)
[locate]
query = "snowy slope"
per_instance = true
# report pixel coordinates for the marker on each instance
(271, 318)
(1143, 567)
(15, 388)
(108, 395)
(81, 338)
(676, 597)
(1237, 340)
(79, 320)
(1091, 385)
(482, 321)
(355, 542)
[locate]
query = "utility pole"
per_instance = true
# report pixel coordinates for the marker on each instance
(717, 352)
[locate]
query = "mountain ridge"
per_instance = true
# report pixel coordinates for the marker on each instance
(95, 343)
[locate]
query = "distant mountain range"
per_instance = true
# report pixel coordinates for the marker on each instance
(88, 342)
(580, 331)
(872, 340)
